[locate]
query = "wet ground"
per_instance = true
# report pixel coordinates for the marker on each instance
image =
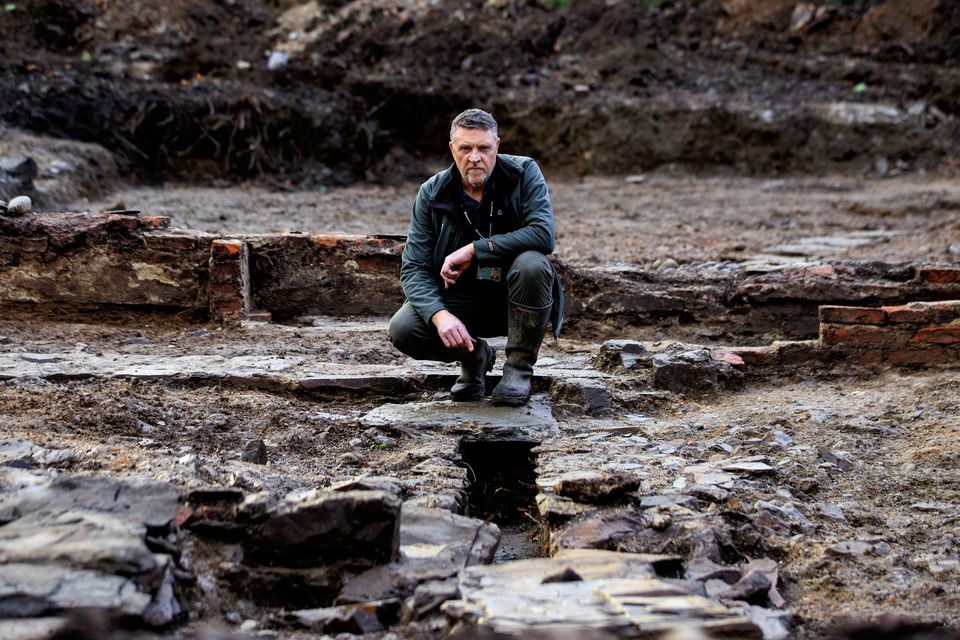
(869, 533)
(860, 505)
(635, 220)
(872, 539)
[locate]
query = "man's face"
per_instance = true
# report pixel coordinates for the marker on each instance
(475, 152)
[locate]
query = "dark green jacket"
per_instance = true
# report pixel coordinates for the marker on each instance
(436, 231)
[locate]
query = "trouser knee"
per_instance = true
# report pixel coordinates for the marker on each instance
(403, 332)
(530, 280)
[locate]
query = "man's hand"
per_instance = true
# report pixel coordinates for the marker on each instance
(455, 264)
(451, 330)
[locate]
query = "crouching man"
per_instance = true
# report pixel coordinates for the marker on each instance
(475, 265)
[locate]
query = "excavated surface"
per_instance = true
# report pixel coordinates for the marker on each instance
(610, 220)
(872, 536)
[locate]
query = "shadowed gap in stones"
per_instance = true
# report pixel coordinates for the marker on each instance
(503, 491)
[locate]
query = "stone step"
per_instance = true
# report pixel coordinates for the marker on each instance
(293, 373)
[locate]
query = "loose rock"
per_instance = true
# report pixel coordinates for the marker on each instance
(254, 451)
(19, 206)
(361, 527)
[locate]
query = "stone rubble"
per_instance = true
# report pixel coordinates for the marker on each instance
(651, 519)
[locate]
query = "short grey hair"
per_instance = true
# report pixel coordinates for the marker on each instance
(474, 119)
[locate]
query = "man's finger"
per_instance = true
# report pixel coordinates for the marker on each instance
(467, 341)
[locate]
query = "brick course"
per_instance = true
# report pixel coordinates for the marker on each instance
(914, 334)
(229, 288)
(852, 315)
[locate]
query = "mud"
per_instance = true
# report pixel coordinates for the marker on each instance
(677, 137)
(367, 88)
(637, 220)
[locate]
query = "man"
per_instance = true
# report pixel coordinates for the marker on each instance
(475, 265)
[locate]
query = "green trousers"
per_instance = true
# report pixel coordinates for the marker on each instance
(483, 310)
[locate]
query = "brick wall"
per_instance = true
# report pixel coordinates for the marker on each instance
(912, 334)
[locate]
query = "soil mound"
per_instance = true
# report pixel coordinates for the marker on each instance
(335, 92)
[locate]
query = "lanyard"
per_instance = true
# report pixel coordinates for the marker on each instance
(477, 231)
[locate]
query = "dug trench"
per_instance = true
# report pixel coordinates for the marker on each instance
(503, 491)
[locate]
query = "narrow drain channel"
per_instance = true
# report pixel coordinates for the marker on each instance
(503, 491)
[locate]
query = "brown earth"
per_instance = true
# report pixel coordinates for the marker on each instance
(366, 96)
(182, 88)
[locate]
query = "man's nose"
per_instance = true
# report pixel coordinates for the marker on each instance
(475, 156)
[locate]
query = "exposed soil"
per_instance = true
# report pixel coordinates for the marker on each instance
(368, 87)
(336, 140)
(610, 220)
(898, 430)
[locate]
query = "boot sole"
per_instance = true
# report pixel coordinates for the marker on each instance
(508, 402)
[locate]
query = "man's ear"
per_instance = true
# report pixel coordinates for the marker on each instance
(496, 147)
(450, 144)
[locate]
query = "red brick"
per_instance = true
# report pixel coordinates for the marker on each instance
(857, 335)
(757, 356)
(934, 355)
(330, 242)
(852, 315)
(944, 312)
(227, 248)
(925, 312)
(867, 358)
(155, 222)
(907, 314)
(229, 307)
(225, 272)
(225, 291)
(939, 275)
(949, 334)
(821, 271)
(798, 351)
(729, 358)
(117, 223)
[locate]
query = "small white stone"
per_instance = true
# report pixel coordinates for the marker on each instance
(277, 60)
(19, 206)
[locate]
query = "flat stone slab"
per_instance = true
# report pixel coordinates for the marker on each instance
(76, 542)
(250, 371)
(532, 422)
(36, 590)
(261, 372)
(585, 592)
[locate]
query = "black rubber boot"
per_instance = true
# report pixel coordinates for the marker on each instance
(471, 385)
(525, 329)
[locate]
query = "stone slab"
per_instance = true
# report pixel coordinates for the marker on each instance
(533, 422)
(33, 590)
(583, 593)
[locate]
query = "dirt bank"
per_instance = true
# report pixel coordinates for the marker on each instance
(364, 90)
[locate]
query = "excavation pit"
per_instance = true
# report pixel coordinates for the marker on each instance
(503, 491)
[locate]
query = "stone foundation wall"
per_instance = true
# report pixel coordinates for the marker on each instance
(78, 260)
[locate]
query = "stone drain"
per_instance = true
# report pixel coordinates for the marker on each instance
(503, 491)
